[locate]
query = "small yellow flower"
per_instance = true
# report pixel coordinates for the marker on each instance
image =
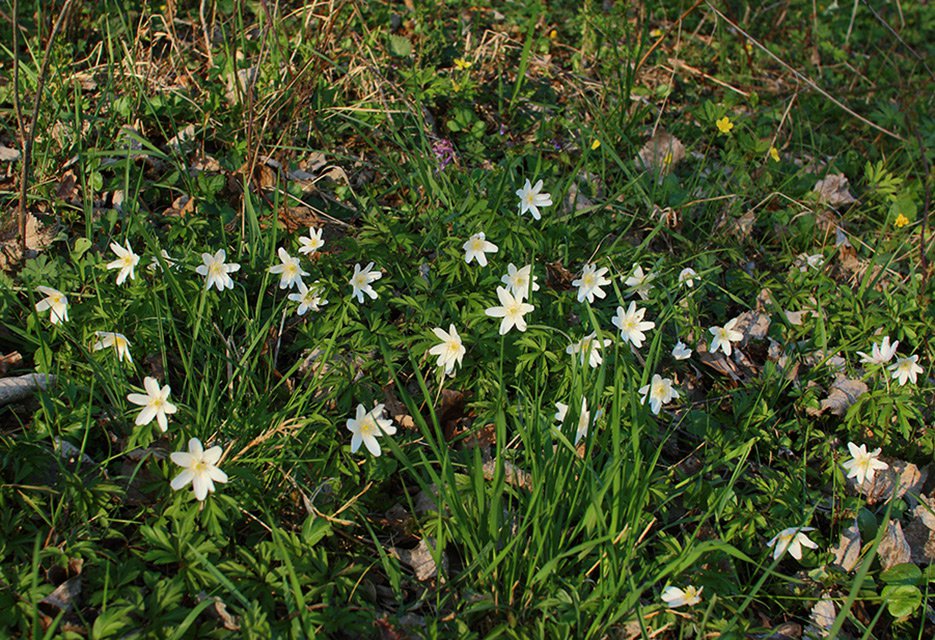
(553, 34)
(724, 125)
(462, 64)
(667, 160)
(901, 221)
(655, 33)
(595, 144)
(774, 154)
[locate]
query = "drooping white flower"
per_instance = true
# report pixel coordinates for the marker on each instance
(518, 281)
(584, 421)
(290, 270)
(880, 353)
(632, 325)
(863, 465)
(450, 351)
(640, 282)
(675, 597)
(531, 198)
(198, 467)
(807, 261)
(906, 369)
(590, 283)
(308, 298)
(155, 265)
(360, 281)
(511, 309)
(216, 271)
(561, 411)
(589, 348)
(312, 243)
(367, 426)
(155, 404)
(126, 261)
(477, 247)
(681, 351)
(118, 341)
(659, 392)
(55, 301)
(791, 540)
(687, 277)
(723, 336)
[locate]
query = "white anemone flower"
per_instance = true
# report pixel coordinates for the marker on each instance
(791, 540)
(108, 339)
(477, 247)
(198, 467)
(687, 277)
(155, 404)
(675, 597)
(863, 465)
(309, 298)
(632, 325)
(589, 349)
(640, 282)
(681, 351)
(367, 426)
(659, 392)
(906, 369)
(216, 271)
(312, 243)
(880, 353)
(55, 301)
(590, 283)
(724, 336)
(450, 351)
(518, 281)
(361, 280)
(511, 309)
(531, 198)
(126, 261)
(289, 270)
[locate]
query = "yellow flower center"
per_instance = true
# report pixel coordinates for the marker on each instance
(368, 427)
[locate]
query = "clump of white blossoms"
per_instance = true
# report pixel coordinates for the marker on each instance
(589, 348)
(156, 265)
(791, 540)
(687, 277)
(632, 325)
(108, 339)
(724, 336)
(590, 283)
(309, 298)
(659, 392)
(531, 198)
(126, 261)
(880, 353)
(477, 247)
(367, 426)
(640, 282)
(450, 351)
(155, 404)
(289, 269)
(675, 597)
(216, 271)
(863, 465)
(681, 351)
(198, 467)
(518, 281)
(584, 418)
(361, 280)
(906, 369)
(312, 243)
(55, 301)
(511, 309)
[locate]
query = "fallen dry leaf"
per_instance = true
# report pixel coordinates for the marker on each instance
(19, 387)
(901, 477)
(893, 548)
(833, 189)
(661, 153)
(8, 155)
(847, 553)
(753, 325)
(842, 395)
(419, 559)
(64, 596)
(822, 617)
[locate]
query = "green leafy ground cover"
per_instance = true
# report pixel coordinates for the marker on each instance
(782, 152)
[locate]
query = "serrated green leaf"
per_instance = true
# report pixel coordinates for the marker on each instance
(400, 46)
